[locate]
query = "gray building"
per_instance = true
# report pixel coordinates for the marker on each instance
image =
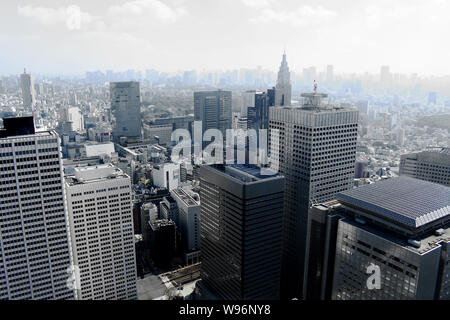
(431, 165)
(314, 147)
(213, 108)
(399, 226)
(241, 216)
(28, 90)
(284, 88)
(126, 108)
(168, 209)
(34, 240)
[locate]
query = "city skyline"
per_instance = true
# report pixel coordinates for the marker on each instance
(176, 34)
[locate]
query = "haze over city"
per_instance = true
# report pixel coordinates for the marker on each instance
(72, 37)
(266, 151)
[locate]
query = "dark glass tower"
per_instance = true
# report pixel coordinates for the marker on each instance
(241, 215)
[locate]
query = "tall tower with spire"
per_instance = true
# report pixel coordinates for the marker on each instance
(284, 88)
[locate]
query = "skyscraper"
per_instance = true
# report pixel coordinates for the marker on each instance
(316, 153)
(28, 91)
(241, 215)
(126, 107)
(385, 75)
(258, 116)
(431, 165)
(283, 86)
(213, 108)
(101, 228)
(34, 240)
(401, 228)
(330, 73)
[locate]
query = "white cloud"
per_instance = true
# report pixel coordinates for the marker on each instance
(71, 16)
(257, 3)
(305, 15)
(147, 9)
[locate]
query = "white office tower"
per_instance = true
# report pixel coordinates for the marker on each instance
(34, 239)
(73, 119)
(284, 87)
(188, 204)
(28, 91)
(101, 228)
(166, 175)
(315, 148)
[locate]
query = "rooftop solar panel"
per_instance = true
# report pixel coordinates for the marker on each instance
(405, 200)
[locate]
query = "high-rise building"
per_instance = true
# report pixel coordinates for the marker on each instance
(241, 217)
(330, 73)
(430, 165)
(283, 86)
(213, 108)
(188, 204)
(72, 119)
(394, 242)
(34, 241)
(163, 242)
(258, 116)
(166, 175)
(126, 107)
(385, 75)
(28, 91)
(314, 148)
(432, 98)
(399, 226)
(101, 228)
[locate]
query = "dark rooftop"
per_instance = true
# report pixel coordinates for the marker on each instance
(404, 200)
(17, 126)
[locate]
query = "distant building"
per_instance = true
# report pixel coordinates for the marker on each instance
(95, 150)
(330, 73)
(398, 227)
(126, 107)
(213, 108)
(385, 76)
(101, 228)
(432, 98)
(72, 119)
(283, 86)
(241, 215)
(431, 165)
(28, 90)
(258, 116)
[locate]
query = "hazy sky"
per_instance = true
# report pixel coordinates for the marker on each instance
(72, 36)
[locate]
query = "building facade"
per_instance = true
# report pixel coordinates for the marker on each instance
(213, 108)
(314, 148)
(34, 241)
(241, 216)
(431, 165)
(101, 228)
(126, 107)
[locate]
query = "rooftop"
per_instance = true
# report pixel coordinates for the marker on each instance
(403, 200)
(95, 173)
(185, 197)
